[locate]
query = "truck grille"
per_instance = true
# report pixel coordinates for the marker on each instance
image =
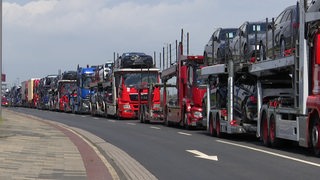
(134, 97)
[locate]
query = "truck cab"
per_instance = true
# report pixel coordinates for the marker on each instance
(184, 107)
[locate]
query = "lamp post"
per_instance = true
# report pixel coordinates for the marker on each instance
(1, 61)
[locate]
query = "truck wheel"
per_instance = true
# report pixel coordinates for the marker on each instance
(65, 108)
(274, 141)
(72, 109)
(185, 121)
(218, 128)
(264, 130)
(212, 130)
(142, 116)
(103, 106)
(91, 109)
(315, 137)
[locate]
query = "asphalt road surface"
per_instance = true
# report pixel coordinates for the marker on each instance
(175, 153)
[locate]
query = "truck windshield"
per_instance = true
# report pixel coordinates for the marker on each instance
(136, 78)
(67, 88)
(86, 80)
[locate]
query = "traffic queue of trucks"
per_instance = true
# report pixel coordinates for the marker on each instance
(266, 84)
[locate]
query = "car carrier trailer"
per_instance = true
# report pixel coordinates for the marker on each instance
(285, 114)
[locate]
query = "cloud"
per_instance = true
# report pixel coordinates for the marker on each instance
(42, 36)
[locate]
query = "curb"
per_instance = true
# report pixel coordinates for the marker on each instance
(119, 163)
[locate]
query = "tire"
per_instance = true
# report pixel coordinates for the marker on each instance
(218, 128)
(212, 130)
(104, 106)
(92, 111)
(73, 109)
(166, 122)
(274, 141)
(315, 137)
(142, 116)
(65, 108)
(185, 121)
(264, 130)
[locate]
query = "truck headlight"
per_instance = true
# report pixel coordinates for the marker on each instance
(126, 106)
(197, 114)
(156, 106)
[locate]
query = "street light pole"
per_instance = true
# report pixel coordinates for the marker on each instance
(1, 61)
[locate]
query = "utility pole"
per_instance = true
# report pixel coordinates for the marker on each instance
(1, 62)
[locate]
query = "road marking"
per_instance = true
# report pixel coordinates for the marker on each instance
(153, 127)
(187, 134)
(112, 121)
(83, 116)
(271, 153)
(96, 118)
(202, 155)
(133, 124)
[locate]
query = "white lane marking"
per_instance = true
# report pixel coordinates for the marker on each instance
(133, 124)
(153, 127)
(187, 134)
(199, 154)
(96, 118)
(271, 153)
(111, 120)
(83, 116)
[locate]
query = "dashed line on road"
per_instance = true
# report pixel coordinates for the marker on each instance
(186, 134)
(112, 121)
(153, 127)
(83, 116)
(132, 124)
(96, 118)
(270, 153)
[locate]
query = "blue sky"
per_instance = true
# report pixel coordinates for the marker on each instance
(40, 37)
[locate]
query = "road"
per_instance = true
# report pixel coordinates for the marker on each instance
(174, 153)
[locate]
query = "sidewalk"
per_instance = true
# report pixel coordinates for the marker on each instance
(31, 149)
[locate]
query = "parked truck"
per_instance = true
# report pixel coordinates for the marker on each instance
(99, 86)
(63, 90)
(295, 117)
(285, 100)
(45, 85)
(122, 96)
(29, 92)
(185, 107)
(79, 99)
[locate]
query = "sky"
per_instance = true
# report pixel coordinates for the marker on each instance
(41, 37)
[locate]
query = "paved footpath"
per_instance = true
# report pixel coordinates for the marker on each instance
(35, 149)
